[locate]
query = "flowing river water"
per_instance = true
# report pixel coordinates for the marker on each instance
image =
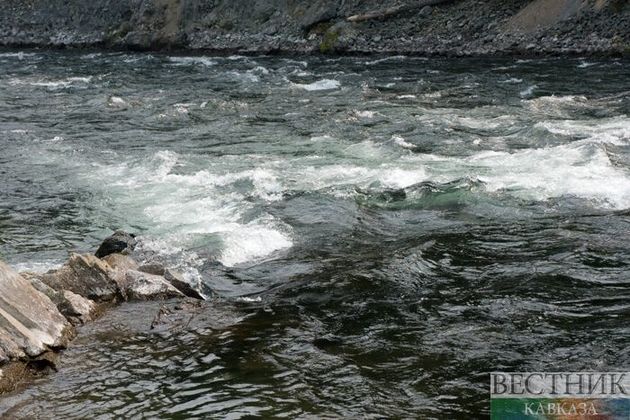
(379, 233)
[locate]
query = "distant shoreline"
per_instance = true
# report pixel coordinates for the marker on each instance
(458, 28)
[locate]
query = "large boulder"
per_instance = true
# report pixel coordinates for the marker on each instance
(152, 268)
(86, 276)
(30, 323)
(120, 242)
(77, 309)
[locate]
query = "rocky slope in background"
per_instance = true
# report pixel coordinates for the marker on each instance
(39, 312)
(455, 27)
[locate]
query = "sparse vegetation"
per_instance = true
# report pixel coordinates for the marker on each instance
(329, 42)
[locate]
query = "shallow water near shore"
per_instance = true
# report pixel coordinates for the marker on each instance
(381, 232)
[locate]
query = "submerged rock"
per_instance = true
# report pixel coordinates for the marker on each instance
(178, 281)
(119, 242)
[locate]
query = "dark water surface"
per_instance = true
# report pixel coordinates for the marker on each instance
(381, 233)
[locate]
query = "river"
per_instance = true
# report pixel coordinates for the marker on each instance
(379, 233)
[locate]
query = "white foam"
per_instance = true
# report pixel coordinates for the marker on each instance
(260, 70)
(364, 114)
(585, 64)
(613, 130)
(182, 108)
(325, 84)
(92, 56)
(387, 175)
(512, 80)
(553, 99)
(37, 267)
(218, 208)
(252, 241)
(247, 76)
(582, 170)
(266, 184)
(558, 106)
(19, 55)
(528, 91)
(67, 82)
(134, 58)
(432, 95)
(402, 142)
(449, 118)
(187, 61)
(250, 299)
(386, 59)
(116, 102)
(184, 209)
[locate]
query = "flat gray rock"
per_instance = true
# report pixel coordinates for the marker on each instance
(30, 323)
(145, 286)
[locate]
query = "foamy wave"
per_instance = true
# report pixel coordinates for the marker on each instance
(37, 267)
(19, 55)
(186, 61)
(364, 114)
(387, 175)
(185, 210)
(325, 84)
(386, 59)
(615, 130)
(582, 171)
(116, 102)
(512, 80)
(528, 91)
(402, 142)
(67, 82)
(585, 64)
(252, 241)
(247, 76)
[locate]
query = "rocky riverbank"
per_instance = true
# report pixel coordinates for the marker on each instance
(440, 27)
(39, 313)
